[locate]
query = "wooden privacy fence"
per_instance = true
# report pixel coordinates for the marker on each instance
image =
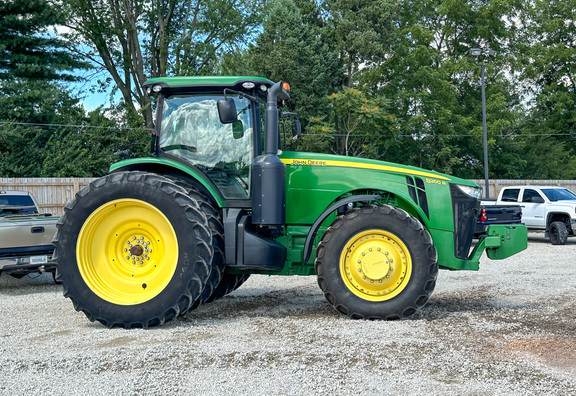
(497, 184)
(53, 193)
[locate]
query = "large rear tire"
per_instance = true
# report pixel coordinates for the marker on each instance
(376, 262)
(219, 283)
(227, 285)
(214, 219)
(133, 250)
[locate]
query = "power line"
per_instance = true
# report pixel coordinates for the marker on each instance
(438, 136)
(70, 126)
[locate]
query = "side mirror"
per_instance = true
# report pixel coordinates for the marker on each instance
(537, 200)
(227, 110)
(296, 128)
(298, 131)
(124, 154)
(237, 129)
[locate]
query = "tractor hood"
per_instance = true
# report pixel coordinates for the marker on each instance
(329, 160)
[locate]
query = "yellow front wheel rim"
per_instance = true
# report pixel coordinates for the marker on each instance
(127, 251)
(375, 265)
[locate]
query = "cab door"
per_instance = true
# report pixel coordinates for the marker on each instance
(192, 131)
(533, 208)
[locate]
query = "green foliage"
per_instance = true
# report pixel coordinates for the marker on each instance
(361, 31)
(206, 31)
(133, 40)
(45, 132)
(90, 149)
(434, 85)
(290, 50)
(415, 54)
(547, 61)
(41, 102)
(27, 49)
(359, 124)
(413, 94)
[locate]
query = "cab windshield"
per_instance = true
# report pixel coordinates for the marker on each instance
(556, 194)
(191, 130)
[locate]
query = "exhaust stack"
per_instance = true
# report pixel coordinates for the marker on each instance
(268, 172)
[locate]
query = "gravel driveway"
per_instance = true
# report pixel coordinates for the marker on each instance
(509, 329)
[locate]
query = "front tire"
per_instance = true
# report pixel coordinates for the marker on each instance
(376, 262)
(558, 233)
(133, 250)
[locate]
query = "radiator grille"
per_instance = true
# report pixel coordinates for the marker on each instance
(465, 211)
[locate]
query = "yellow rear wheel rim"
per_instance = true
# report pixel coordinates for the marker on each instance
(127, 251)
(375, 265)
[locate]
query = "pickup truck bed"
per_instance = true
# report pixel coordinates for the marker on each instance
(25, 235)
(492, 213)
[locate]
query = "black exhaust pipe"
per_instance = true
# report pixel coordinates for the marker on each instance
(268, 172)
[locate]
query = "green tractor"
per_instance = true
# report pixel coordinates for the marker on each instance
(217, 201)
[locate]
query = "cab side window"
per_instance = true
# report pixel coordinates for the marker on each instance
(529, 195)
(511, 195)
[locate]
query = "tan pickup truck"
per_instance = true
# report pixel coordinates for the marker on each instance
(25, 235)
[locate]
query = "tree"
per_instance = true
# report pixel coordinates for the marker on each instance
(35, 108)
(24, 104)
(27, 49)
(88, 149)
(290, 50)
(547, 61)
(133, 40)
(358, 125)
(361, 32)
(46, 133)
(434, 85)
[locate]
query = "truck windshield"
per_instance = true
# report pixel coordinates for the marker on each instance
(556, 194)
(16, 204)
(191, 129)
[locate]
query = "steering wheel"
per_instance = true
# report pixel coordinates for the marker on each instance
(171, 147)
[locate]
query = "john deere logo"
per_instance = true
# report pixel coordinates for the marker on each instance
(308, 162)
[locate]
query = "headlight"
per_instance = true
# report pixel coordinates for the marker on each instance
(475, 192)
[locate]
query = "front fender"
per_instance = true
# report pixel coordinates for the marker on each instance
(314, 229)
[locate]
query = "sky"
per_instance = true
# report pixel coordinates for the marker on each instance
(87, 90)
(90, 97)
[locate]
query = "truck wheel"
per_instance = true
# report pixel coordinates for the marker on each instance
(376, 262)
(133, 250)
(558, 233)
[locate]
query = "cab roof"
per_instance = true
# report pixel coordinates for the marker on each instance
(204, 83)
(14, 192)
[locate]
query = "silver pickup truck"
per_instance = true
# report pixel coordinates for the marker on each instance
(25, 235)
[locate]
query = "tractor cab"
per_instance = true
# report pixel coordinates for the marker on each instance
(190, 127)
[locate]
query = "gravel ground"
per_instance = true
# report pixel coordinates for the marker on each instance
(509, 329)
